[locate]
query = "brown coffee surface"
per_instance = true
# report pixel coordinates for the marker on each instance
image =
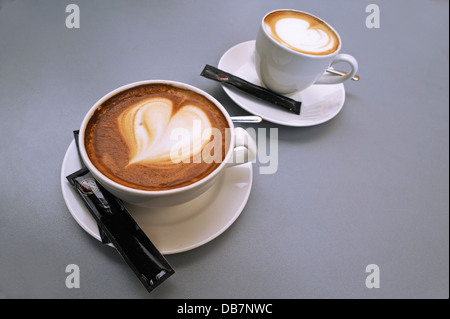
(126, 137)
(315, 24)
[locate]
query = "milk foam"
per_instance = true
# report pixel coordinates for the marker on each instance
(302, 36)
(301, 32)
(147, 126)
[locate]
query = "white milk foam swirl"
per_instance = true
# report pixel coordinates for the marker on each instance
(147, 126)
(299, 34)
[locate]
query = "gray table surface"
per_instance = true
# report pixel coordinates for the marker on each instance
(371, 186)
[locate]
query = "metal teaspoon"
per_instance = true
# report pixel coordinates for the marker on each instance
(337, 72)
(246, 119)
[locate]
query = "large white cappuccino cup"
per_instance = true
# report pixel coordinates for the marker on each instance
(294, 49)
(240, 149)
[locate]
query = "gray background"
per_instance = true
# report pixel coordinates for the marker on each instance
(368, 187)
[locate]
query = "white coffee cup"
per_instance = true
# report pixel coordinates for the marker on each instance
(284, 61)
(241, 147)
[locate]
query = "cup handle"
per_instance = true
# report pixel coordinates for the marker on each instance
(327, 78)
(245, 149)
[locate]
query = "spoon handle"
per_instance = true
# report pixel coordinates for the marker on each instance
(337, 72)
(246, 119)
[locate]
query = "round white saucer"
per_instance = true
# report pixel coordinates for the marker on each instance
(178, 228)
(320, 103)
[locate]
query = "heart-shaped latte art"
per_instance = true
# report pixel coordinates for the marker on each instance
(304, 36)
(147, 128)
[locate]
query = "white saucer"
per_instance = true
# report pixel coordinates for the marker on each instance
(320, 103)
(179, 228)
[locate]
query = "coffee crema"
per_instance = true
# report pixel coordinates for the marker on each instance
(131, 137)
(301, 32)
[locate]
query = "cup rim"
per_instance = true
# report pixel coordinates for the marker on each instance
(298, 52)
(134, 191)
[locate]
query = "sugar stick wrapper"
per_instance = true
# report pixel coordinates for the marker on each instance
(259, 92)
(123, 232)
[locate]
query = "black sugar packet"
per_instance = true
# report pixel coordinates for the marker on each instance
(259, 92)
(103, 237)
(121, 230)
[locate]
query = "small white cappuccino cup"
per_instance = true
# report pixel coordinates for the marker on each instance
(294, 49)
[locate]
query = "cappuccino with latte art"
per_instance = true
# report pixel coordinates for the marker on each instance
(294, 49)
(130, 137)
(159, 143)
(301, 32)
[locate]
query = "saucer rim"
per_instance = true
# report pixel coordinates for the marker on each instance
(230, 91)
(69, 198)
